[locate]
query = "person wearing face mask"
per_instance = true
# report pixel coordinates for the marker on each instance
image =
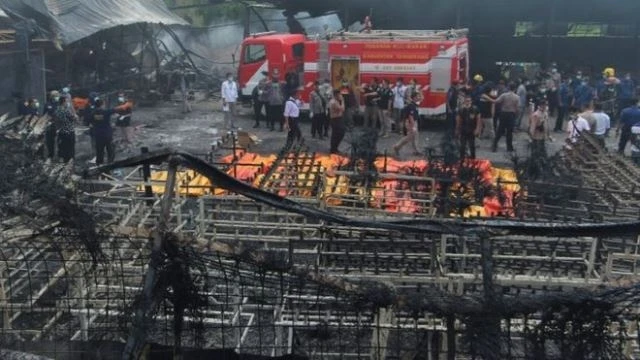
(50, 132)
(539, 130)
(229, 98)
(33, 107)
(274, 94)
(123, 120)
(66, 93)
(583, 95)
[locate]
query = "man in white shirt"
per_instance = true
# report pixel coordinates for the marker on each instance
(399, 91)
(602, 124)
(577, 125)
(291, 118)
(229, 98)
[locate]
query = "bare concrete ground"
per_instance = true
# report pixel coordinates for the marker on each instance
(166, 126)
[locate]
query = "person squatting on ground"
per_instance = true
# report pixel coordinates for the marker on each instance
(317, 105)
(275, 97)
(229, 98)
(629, 117)
(123, 121)
(65, 120)
(468, 127)
(257, 99)
(103, 132)
(602, 124)
(539, 130)
(411, 124)
(336, 115)
(51, 130)
(509, 107)
(291, 120)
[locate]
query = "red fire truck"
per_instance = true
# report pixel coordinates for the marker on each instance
(432, 58)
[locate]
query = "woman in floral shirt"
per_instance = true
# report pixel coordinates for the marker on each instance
(65, 122)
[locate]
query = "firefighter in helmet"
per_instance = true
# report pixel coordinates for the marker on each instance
(477, 88)
(608, 91)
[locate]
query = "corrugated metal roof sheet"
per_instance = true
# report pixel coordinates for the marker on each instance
(73, 20)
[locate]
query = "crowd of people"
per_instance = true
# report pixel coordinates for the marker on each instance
(65, 112)
(480, 109)
(388, 109)
(552, 102)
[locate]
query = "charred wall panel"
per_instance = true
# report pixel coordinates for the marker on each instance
(16, 76)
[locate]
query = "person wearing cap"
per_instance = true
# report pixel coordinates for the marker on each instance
(411, 116)
(229, 98)
(539, 129)
(291, 119)
(50, 132)
(275, 96)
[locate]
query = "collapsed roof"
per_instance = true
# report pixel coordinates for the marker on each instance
(68, 21)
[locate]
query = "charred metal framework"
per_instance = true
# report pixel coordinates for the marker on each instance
(99, 267)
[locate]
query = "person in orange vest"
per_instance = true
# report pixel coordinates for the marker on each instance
(123, 121)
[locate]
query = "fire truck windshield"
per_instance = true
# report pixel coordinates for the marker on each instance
(254, 53)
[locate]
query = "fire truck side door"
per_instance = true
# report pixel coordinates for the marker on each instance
(440, 74)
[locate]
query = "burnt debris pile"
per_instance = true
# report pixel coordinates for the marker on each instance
(99, 267)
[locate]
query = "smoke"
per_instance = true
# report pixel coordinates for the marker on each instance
(217, 47)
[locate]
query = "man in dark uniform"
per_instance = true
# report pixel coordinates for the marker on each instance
(468, 127)
(452, 106)
(50, 132)
(103, 132)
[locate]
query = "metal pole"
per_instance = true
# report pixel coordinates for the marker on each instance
(148, 303)
(146, 175)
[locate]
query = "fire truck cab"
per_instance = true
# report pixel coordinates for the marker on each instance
(431, 59)
(263, 53)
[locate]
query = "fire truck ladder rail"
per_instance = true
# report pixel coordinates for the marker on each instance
(403, 34)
